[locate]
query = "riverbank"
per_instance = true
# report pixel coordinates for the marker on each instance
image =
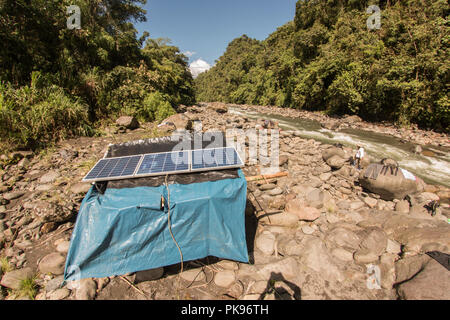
(310, 235)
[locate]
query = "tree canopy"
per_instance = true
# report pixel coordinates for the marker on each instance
(327, 59)
(98, 71)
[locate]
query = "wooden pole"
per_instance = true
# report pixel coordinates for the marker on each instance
(267, 176)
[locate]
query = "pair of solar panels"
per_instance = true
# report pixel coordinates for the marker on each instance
(163, 163)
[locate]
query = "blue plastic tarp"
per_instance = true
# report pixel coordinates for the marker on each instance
(125, 230)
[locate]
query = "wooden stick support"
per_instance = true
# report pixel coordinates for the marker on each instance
(267, 176)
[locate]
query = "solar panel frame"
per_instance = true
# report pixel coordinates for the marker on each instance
(189, 168)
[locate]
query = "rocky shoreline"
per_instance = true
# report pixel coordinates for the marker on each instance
(313, 234)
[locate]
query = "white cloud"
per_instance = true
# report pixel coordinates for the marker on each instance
(189, 53)
(199, 66)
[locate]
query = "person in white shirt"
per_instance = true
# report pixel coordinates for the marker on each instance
(358, 156)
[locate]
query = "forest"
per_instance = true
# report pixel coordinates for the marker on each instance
(57, 81)
(328, 60)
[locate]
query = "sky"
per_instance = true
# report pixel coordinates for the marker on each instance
(202, 29)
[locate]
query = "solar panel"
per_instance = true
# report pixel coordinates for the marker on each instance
(113, 168)
(213, 159)
(164, 163)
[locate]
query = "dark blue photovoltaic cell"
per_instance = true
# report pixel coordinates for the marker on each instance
(131, 165)
(164, 162)
(113, 168)
(214, 158)
(96, 170)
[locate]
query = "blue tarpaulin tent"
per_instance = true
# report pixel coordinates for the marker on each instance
(125, 230)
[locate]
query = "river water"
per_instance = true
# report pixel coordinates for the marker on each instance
(433, 165)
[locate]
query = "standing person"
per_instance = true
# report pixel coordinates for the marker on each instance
(358, 156)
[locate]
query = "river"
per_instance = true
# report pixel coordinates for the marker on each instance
(433, 165)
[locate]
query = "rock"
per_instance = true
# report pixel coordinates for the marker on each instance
(275, 191)
(421, 240)
(283, 219)
(86, 290)
(277, 202)
(387, 270)
(48, 227)
(356, 205)
(308, 214)
(54, 283)
(393, 247)
(103, 282)
(127, 122)
(192, 275)
(371, 202)
(408, 267)
(352, 119)
(302, 211)
(375, 241)
(228, 265)
(80, 188)
(236, 290)
(13, 195)
(402, 206)
(49, 177)
(149, 275)
(365, 256)
(316, 257)
(267, 186)
(44, 187)
(333, 151)
(325, 176)
(390, 185)
(225, 278)
(52, 263)
(52, 212)
(14, 278)
(59, 294)
(24, 163)
(342, 254)
(432, 283)
(426, 197)
(180, 121)
(343, 238)
(266, 242)
(63, 247)
(288, 268)
(336, 162)
(308, 230)
(316, 198)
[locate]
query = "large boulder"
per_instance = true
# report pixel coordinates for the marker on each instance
(389, 184)
(432, 283)
(336, 162)
(179, 121)
(334, 151)
(127, 122)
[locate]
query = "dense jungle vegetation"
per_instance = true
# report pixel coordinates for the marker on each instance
(328, 60)
(57, 82)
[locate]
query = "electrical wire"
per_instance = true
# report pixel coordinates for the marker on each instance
(170, 230)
